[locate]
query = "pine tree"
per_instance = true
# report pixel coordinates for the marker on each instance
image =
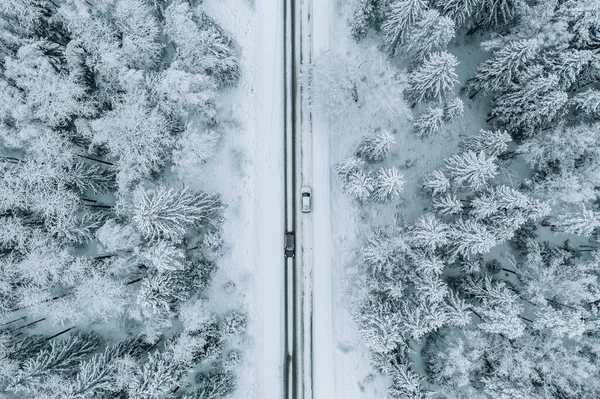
(376, 146)
(359, 185)
(345, 168)
(429, 233)
(168, 213)
(490, 142)
(362, 18)
(157, 378)
(201, 45)
(435, 79)
(234, 324)
(429, 122)
(389, 184)
(436, 183)
(588, 102)
(453, 109)
(494, 13)
(570, 66)
(447, 204)
(505, 66)
(469, 238)
(431, 32)
(584, 222)
(185, 94)
(474, 169)
(61, 356)
(532, 106)
(460, 11)
(498, 306)
(401, 17)
(137, 135)
(215, 385)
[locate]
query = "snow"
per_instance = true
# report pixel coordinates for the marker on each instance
(250, 178)
(319, 172)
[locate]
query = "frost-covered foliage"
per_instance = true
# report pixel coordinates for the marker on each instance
(99, 98)
(498, 312)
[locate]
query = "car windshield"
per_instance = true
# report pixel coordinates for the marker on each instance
(305, 194)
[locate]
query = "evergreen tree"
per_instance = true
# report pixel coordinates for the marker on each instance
(490, 142)
(429, 233)
(436, 183)
(453, 110)
(583, 223)
(401, 17)
(215, 385)
(362, 18)
(469, 238)
(345, 168)
(447, 204)
(431, 32)
(376, 146)
(388, 185)
(460, 11)
(169, 213)
(505, 66)
(359, 185)
(201, 45)
(157, 378)
(429, 122)
(474, 169)
(434, 80)
(60, 357)
(533, 106)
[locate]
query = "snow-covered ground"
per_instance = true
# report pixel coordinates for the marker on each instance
(250, 177)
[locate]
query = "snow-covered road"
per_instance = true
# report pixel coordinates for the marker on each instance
(316, 227)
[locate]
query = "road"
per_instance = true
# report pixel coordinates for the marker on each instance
(309, 281)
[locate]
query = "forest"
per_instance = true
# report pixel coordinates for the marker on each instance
(477, 275)
(105, 255)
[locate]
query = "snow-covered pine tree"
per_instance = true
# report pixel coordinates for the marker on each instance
(347, 167)
(460, 11)
(431, 32)
(447, 204)
(362, 18)
(498, 306)
(61, 356)
(156, 378)
(215, 385)
(388, 184)
(583, 222)
(490, 142)
(234, 323)
(435, 79)
(201, 45)
(359, 185)
(471, 168)
(469, 238)
(494, 13)
(429, 122)
(168, 213)
(136, 134)
(453, 109)
(588, 102)
(504, 67)
(376, 146)
(436, 183)
(429, 233)
(400, 18)
(534, 105)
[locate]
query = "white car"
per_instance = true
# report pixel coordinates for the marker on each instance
(306, 194)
